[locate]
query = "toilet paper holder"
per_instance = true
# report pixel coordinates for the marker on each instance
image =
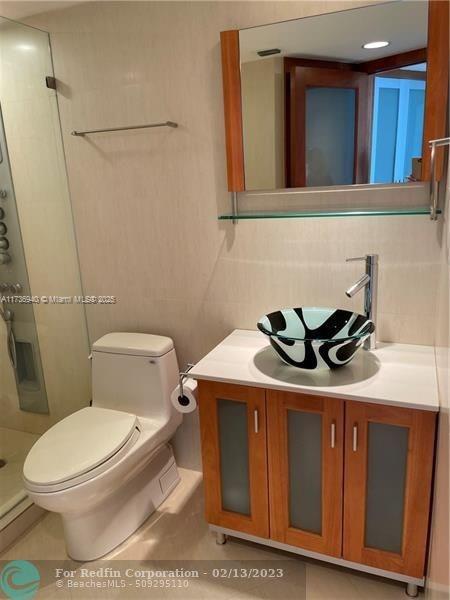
(182, 376)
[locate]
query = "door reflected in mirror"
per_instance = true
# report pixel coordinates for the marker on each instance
(335, 99)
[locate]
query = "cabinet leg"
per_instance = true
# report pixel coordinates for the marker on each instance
(412, 590)
(221, 538)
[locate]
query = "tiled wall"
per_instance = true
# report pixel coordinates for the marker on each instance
(146, 203)
(439, 572)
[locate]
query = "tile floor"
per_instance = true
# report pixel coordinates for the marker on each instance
(177, 532)
(14, 447)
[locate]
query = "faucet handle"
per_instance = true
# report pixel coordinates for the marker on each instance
(369, 258)
(356, 258)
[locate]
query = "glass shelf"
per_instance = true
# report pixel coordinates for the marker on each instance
(305, 214)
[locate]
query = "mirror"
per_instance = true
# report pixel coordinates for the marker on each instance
(335, 99)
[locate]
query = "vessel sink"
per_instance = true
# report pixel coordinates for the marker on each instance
(316, 338)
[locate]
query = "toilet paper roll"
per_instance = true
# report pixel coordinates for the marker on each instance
(188, 401)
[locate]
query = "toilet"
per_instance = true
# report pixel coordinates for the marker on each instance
(107, 467)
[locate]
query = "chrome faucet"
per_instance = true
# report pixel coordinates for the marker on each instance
(369, 281)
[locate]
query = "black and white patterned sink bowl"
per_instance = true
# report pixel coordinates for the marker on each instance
(316, 338)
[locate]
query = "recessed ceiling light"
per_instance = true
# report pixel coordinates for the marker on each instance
(375, 45)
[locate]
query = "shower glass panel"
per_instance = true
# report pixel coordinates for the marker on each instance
(19, 333)
(44, 367)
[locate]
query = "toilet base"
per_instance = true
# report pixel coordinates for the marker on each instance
(92, 535)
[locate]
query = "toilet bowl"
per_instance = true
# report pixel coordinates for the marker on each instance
(107, 467)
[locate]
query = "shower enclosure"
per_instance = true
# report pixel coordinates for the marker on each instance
(44, 367)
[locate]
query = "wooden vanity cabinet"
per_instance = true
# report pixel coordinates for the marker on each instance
(305, 450)
(387, 492)
(234, 455)
(346, 479)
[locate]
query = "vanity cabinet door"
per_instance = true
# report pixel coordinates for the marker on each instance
(388, 470)
(305, 442)
(234, 453)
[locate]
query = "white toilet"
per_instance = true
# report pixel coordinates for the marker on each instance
(107, 467)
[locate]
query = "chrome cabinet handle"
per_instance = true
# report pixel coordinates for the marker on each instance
(355, 438)
(256, 420)
(333, 434)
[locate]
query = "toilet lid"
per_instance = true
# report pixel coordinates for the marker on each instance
(77, 444)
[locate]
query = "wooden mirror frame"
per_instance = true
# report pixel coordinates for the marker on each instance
(436, 95)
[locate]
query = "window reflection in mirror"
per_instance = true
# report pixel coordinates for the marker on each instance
(397, 124)
(336, 99)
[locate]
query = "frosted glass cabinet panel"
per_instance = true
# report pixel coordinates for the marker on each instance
(234, 454)
(305, 470)
(387, 454)
(305, 444)
(387, 486)
(234, 467)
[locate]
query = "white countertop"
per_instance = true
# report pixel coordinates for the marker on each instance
(396, 374)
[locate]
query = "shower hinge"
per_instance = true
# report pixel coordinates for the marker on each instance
(50, 82)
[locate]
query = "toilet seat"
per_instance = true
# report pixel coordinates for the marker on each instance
(79, 447)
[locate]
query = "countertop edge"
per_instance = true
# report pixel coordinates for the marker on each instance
(300, 390)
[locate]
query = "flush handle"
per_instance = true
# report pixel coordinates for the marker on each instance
(256, 420)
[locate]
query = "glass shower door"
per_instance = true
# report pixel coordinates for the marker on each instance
(44, 371)
(20, 343)
(22, 383)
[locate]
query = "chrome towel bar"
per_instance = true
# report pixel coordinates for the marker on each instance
(149, 125)
(434, 184)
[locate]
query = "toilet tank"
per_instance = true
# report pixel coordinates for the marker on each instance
(134, 372)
